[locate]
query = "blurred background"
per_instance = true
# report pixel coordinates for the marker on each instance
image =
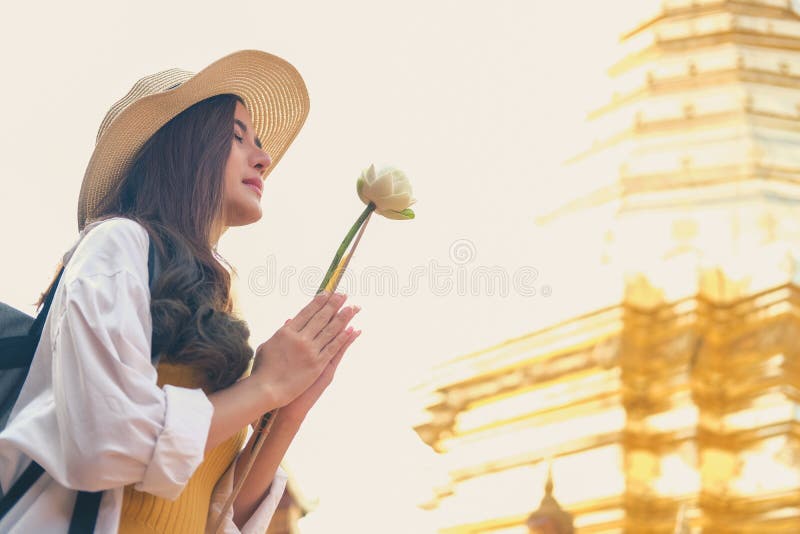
(592, 323)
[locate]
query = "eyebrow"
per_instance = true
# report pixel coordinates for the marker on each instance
(244, 129)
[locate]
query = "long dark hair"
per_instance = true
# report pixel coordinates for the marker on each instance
(174, 189)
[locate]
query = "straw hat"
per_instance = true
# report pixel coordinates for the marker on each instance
(272, 90)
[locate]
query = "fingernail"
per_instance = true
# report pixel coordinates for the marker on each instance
(356, 309)
(349, 329)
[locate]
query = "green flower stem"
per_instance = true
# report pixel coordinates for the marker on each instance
(346, 260)
(335, 263)
(346, 243)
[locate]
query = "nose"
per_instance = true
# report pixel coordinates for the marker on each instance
(261, 160)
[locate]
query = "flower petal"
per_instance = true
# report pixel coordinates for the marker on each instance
(382, 187)
(394, 202)
(360, 185)
(401, 185)
(396, 173)
(389, 189)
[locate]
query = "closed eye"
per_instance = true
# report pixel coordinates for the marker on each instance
(243, 126)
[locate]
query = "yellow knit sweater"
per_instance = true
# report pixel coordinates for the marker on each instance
(143, 513)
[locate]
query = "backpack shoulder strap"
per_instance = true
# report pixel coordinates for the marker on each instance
(23, 483)
(84, 513)
(38, 324)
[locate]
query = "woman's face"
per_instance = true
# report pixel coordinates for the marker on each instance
(241, 199)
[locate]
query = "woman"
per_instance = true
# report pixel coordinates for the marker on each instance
(145, 393)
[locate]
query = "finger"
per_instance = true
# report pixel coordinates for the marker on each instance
(299, 321)
(336, 359)
(332, 349)
(336, 325)
(323, 316)
(330, 369)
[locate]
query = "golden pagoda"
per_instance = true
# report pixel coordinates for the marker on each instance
(674, 405)
(550, 518)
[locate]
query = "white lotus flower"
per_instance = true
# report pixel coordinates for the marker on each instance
(389, 190)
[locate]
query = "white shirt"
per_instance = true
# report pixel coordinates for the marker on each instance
(91, 413)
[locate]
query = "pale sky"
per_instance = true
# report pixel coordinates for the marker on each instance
(479, 102)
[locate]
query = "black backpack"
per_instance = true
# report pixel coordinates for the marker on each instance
(19, 337)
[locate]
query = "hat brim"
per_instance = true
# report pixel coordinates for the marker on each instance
(271, 88)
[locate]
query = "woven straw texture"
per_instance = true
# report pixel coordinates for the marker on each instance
(272, 89)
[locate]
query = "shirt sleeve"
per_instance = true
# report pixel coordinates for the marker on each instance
(116, 426)
(261, 518)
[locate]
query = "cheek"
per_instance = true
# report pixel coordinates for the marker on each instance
(232, 171)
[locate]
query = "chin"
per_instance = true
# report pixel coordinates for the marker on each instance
(245, 217)
(250, 219)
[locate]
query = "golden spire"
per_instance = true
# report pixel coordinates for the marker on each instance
(550, 518)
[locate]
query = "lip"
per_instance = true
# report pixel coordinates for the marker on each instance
(254, 183)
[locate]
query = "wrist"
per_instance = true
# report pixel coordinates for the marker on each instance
(265, 394)
(286, 424)
(290, 416)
